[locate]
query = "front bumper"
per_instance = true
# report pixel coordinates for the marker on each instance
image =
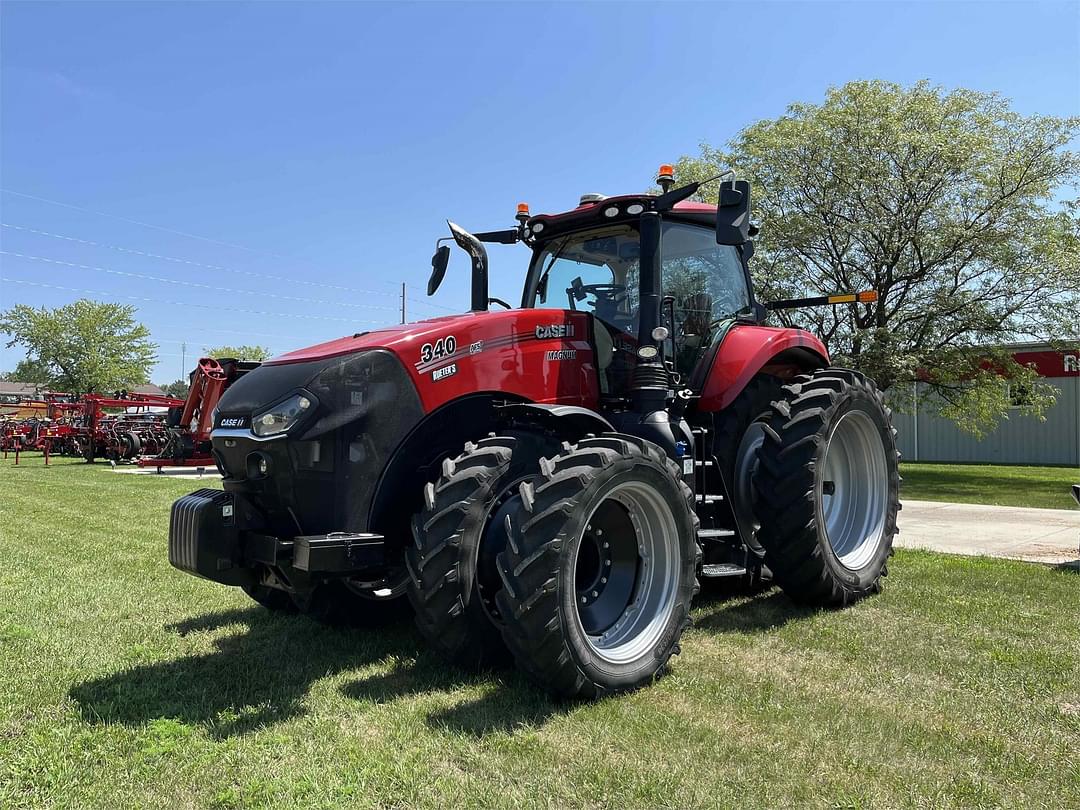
(206, 540)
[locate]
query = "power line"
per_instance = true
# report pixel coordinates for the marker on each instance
(189, 262)
(141, 224)
(185, 303)
(198, 284)
(243, 333)
(134, 252)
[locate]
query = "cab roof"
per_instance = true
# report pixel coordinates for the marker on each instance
(613, 210)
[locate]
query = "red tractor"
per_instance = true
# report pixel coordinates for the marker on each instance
(548, 483)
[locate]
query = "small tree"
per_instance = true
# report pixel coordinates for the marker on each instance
(947, 204)
(178, 389)
(81, 347)
(257, 353)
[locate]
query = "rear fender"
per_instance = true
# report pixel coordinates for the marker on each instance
(748, 350)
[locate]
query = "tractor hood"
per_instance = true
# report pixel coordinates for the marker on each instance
(387, 337)
(541, 355)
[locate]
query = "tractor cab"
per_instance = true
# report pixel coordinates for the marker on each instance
(597, 270)
(590, 259)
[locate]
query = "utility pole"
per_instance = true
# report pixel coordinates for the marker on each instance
(183, 360)
(403, 302)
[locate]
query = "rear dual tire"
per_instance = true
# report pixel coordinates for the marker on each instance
(827, 485)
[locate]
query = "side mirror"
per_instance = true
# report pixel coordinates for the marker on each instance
(733, 213)
(438, 268)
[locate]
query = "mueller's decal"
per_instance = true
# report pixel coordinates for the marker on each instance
(477, 347)
(555, 330)
(443, 347)
(562, 354)
(444, 372)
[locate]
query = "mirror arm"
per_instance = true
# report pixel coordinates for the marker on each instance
(480, 283)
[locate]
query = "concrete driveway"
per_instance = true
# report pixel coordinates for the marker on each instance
(1038, 535)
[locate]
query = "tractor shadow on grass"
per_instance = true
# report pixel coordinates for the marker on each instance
(737, 608)
(510, 704)
(255, 677)
(260, 674)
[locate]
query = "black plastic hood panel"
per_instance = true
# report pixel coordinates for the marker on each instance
(322, 477)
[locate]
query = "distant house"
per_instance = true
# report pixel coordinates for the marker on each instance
(17, 389)
(1018, 439)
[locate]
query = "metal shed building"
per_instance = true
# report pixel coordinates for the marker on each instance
(1018, 439)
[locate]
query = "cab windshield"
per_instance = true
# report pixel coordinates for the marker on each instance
(597, 271)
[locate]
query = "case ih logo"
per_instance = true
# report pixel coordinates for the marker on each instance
(555, 330)
(232, 421)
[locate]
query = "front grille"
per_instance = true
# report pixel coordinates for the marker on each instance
(323, 477)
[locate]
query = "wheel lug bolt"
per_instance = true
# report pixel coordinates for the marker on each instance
(599, 532)
(606, 544)
(603, 580)
(607, 563)
(595, 594)
(584, 600)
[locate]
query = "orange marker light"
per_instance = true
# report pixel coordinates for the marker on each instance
(667, 171)
(867, 296)
(523, 208)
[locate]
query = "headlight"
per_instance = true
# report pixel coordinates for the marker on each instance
(282, 416)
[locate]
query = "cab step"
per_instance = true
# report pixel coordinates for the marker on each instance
(718, 570)
(709, 498)
(711, 534)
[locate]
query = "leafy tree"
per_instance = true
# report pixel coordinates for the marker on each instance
(947, 204)
(258, 353)
(28, 371)
(178, 389)
(81, 347)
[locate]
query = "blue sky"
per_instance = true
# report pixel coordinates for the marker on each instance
(291, 151)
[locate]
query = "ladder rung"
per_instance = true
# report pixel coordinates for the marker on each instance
(716, 533)
(722, 570)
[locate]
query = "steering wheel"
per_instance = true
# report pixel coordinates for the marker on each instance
(612, 292)
(499, 301)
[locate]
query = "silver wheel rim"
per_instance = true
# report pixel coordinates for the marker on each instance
(853, 490)
(393, 585)
(746, 464)
(648, 611)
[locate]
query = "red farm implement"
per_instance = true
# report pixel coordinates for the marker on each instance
(186, 440)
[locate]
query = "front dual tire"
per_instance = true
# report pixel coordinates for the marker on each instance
(578, 564)
(600, 568)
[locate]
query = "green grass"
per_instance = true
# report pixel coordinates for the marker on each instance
(1044, 487)
(124, 683)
